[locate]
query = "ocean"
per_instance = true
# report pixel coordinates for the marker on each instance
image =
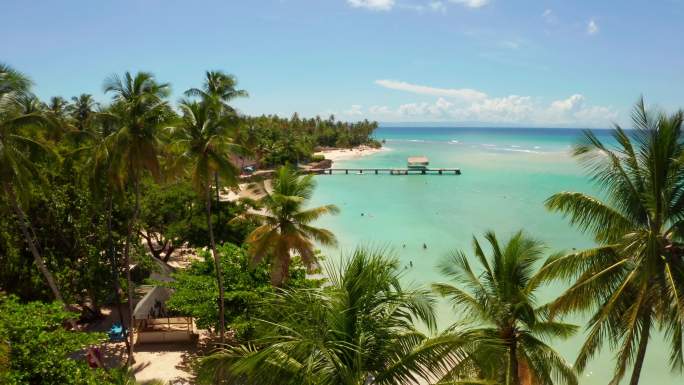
(507, 174)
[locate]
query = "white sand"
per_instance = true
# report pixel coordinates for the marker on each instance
(350, 153)
(163, 362)
(244, 191)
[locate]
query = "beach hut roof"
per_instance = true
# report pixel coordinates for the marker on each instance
(418, 159)
(146, 304)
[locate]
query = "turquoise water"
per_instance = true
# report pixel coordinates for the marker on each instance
(507, 175)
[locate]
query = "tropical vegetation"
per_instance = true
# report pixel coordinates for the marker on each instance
(362, 328)
(96, 196)
(245, 284)
(632, 283)
(37, 344)
(285, 224)
(501, 309)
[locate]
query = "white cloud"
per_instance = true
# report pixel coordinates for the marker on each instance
(422, 6)
(433, 5)
(471, 3)
(354, 110)
(455, 105)
(592, 27)
(376, 5)
(379, 110)
(549, 16)
(570, 104)
(461, 93)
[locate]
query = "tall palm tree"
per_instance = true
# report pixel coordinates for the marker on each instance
(219, 88)
(82, 110)
(106, 182)
(206, 146)
(286, 223)
(360, 329)
(634, 280)
(58, 106)
(17, 170)
(140, 109)
(217, 91)
(501, 306)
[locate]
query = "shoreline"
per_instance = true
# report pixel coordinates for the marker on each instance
(339, 154)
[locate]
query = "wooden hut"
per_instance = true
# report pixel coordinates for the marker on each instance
(154, 324)
(418, 163)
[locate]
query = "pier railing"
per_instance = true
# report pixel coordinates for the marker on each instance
(390, 171)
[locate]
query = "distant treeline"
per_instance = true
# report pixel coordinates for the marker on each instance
(275, 140)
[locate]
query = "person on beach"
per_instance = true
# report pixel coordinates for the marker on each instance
(94, 357)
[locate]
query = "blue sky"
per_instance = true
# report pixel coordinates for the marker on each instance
(540, 63)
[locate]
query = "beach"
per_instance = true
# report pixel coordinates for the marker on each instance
(342, 154)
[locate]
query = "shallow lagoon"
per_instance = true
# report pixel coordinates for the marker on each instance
(507, 175)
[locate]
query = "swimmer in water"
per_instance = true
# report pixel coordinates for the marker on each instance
(424, 246)
(411, 263)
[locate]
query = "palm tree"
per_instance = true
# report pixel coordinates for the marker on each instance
(217, 91)
(634, 280)
(285, 224)
(206, 144)
(140, 109)
(82, 110)
(58, 106)
(17, 170)
(219, 88)
(360, 329)
(106, 182)
(501, 306)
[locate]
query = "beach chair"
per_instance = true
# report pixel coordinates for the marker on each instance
(116, 333)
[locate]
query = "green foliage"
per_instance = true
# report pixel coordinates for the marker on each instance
(144, 266)
(285, 227)
(278, 141)
(362, 325)
(65, 217)
(166, 216)
(633, 282)
(501, 310)
(173, 214)
(196, 290)
(317, 158)
(39, 346)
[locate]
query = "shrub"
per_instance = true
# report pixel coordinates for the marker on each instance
(317, 157)
(37, 346)
(196, 291)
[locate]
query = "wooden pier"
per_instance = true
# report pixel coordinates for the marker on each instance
(390, 171)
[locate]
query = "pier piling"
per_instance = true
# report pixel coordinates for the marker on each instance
(390, 171)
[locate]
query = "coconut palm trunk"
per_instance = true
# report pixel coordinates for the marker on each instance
(641, 353)
(127, 268)
(513, 377)
(218, 198)
(217, 264)
(282, 268)
(115, 269)
(23, 224)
